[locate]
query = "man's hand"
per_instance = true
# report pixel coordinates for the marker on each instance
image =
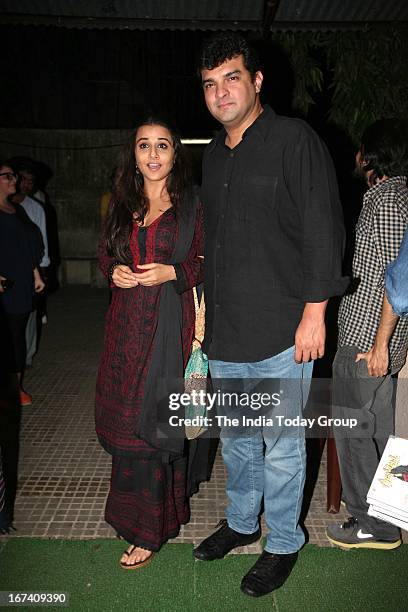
(155, 274)
(311, 333)
(123, 277)
(39, 284)
(377, 359)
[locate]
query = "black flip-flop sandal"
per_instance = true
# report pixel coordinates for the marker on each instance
(137, 564)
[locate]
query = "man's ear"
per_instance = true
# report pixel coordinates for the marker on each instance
(258, 81)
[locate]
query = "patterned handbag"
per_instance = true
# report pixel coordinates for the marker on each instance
(196, 373)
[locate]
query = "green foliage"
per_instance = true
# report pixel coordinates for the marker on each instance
(367, 74)
(308, 74)
(370, 78)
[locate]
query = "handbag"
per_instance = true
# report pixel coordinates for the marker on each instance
(196, 373)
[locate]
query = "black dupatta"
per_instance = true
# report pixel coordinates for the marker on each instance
(166, 370)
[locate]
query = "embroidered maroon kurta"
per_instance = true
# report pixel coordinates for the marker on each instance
(147, 501)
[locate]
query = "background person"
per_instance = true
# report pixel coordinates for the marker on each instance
(373, 341)
(21, 251)
(26, 188)
(150, 249)
(396, 280)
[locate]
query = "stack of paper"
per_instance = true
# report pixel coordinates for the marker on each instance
(388, 494)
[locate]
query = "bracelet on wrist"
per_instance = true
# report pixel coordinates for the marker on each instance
(111, 270)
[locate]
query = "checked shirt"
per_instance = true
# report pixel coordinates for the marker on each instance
(379, 232)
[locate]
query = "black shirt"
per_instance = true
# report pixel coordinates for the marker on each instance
(274, 236)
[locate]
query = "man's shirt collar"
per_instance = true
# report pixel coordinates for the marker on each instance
(392, 180)
(258, 128)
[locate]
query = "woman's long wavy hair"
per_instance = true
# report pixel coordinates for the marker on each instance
(129, 200)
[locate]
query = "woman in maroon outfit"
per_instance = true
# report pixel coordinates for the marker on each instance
(151, 253)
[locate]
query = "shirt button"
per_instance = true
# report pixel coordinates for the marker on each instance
(217, 305)
(225, 184)
(231, 155)
(218, 246)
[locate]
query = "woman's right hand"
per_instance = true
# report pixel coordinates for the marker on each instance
(123, 277)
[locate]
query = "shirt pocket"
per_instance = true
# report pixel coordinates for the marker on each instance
(257, 198)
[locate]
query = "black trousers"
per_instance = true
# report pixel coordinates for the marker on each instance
(371, 401)
(13, 343)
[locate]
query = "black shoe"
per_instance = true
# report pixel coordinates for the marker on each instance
(268, 573)
(217, 545)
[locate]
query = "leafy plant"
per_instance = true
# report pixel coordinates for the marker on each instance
(300, 48)
(367, 74)
(370, 78)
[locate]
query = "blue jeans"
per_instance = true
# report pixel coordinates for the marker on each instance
(277, 473)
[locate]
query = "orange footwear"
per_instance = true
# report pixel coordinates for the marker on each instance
(25, 399)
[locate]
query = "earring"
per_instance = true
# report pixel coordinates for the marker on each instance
(137, 169)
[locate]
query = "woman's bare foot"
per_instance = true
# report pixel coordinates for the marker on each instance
(135, 556)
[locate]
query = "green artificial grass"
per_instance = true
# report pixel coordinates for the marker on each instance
(324, 579)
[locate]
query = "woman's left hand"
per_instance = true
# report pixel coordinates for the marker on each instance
(155, 274)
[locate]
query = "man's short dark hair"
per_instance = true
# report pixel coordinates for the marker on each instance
(384, 148)
(23, 164)
(222, 47)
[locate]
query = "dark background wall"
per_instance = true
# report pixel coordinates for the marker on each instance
(97, 79)
(69, 95)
